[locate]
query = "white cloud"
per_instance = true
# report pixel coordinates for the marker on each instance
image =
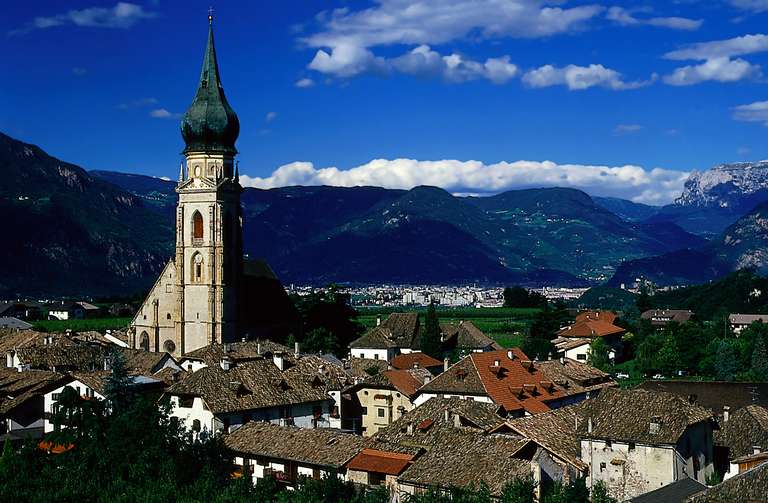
(626, 17)
(625, 129)
(347, 37)
(719, 69)
(162, 113)
(753, 112)
(122, 15)
(423, 61)
(578, 78)
(270, 116)
(303, 83)
(655, 186)
(751, 5)
(738, 46)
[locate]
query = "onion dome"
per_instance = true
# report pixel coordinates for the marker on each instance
(210, 124)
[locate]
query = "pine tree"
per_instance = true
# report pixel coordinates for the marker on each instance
(117, 386)
(760, 360)
(430, 343)
(725, 362)
(644, 302)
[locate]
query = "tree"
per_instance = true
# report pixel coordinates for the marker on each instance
(117, 386)
(519, 297)
(760, 360)
(599, 354)
(546, 323)
(644, 301)
(430, 342)
(331, 311)
(519, 491)
(668, 358)
(725, 363)
(600, 494)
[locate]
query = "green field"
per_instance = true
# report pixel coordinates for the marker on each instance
(94, 324)
(505, 325)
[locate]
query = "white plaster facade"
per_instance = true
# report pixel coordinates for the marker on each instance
(50, 399)
(373, 354)
(423, 397)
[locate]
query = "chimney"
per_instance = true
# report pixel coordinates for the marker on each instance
(655, 425)
(226, 364)
(409, 428)
(726, 413)
(427, 379)
(378, 321)
(106, 363)
(296, 348)
(447, 415)
(243, 339)
(756, 449)
(278, 360)
(511, 354)
(562, 360)
(227, 347)
(456, 421)
(589, 425)
(258, 348)
(446, 364)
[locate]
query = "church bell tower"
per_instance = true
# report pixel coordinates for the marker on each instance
(209, 250)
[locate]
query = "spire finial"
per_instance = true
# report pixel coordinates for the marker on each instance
(210, 15)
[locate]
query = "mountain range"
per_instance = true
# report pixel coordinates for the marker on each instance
(103, 233)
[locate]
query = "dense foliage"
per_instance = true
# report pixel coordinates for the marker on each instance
(518, 296)
(430, 342)
(329, 321)
(546, 323)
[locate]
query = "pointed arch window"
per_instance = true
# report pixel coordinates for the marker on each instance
(197, 268)
(144, 341)
(197, 227)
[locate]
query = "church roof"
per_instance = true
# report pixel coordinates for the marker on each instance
(210, 124)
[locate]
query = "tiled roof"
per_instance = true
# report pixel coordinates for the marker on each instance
(318, 446)
(626, 415)
(676, 492)
(255, 385)
(747, 319)
(18, 387)
(660, 316)
(746, 428)
(607, 316)
(465, 335)
(574, 377)
(427, 424)
(404, 328)
(565, 344)
(469, 458)
(407, 381)
(417, 358)
(590, 328)
(145, 362)
(357, 367)
(514, 383)
(376, 338)
(714, 395)
(555, 431)
(235, 351)
(377, 461)
(747, 487)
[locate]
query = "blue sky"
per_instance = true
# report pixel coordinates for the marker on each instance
(621, 98)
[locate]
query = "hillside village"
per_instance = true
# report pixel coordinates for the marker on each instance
(390, 415)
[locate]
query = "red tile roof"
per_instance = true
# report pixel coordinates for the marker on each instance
(407, 361)
(607, 316)
(590, 328)
(403, 381)
(514, 383)
(372, 460)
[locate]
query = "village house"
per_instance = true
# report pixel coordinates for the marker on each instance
(288, 452)
(743, 436)
(573, 341)
(65, 310)
(638, 441)
(289, 390)
(22, 408)
(378, 400)
(21, 310)
(749, 486)
(515, 383)
(457, 448)
(14, 323)
(91, 386)
(660, 318)
(739, 322)
(400, 334)
(237, 352)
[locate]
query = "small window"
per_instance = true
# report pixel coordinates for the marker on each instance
(631, 446)
(168, 316)
(581, 357)
(197, 226)
(376, 356)
(196, 425)
(381, 412)
(608, 444)
(365, 411)
(169, 346)
(602, 466)
(186, 401)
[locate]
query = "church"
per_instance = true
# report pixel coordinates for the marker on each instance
(207, 293)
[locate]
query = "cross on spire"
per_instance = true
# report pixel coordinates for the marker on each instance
(210, 15)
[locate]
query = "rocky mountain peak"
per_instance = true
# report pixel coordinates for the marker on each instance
(724, 185)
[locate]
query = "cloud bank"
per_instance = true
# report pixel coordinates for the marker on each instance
(655, 186)
(122, 15)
